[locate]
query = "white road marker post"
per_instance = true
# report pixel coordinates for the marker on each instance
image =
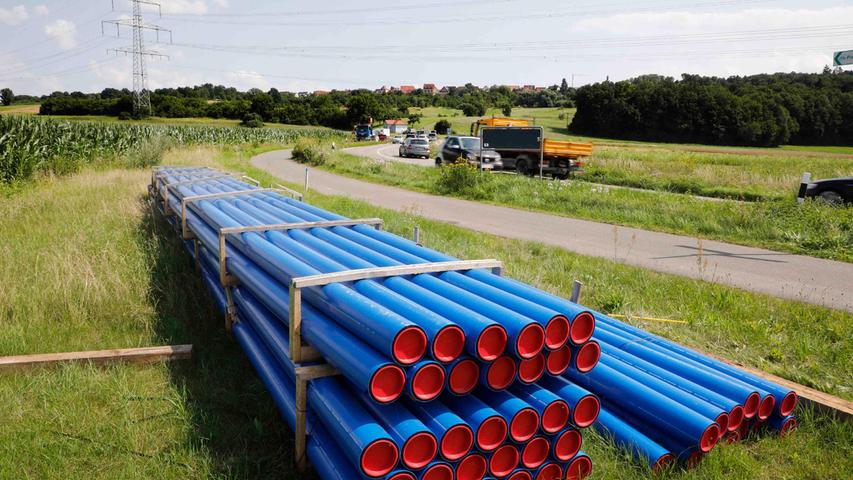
(576, 291)
(305, 186)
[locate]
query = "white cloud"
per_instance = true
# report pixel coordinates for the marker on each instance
(14, 16)
(221, 3)
(249, 79)
(64, 32)
(41, 10)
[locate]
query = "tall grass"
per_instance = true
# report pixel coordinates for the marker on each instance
(29, 145)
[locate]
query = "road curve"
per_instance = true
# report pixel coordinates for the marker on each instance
(796, 277)
(388, 153)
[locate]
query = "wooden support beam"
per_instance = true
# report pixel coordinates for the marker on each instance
(820, 400)
(128, 355)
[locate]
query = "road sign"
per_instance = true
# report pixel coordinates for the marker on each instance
(843, 58)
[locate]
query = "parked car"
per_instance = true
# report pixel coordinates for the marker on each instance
(415, 147)
(397, 139)
(468, 148)
(433, 135)
(832, 190)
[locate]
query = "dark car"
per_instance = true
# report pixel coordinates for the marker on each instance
(469, 149)
(832, 190)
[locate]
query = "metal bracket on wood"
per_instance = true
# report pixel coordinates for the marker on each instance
(293, 193)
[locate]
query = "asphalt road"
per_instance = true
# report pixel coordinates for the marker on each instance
(821, 282)
(388, 152)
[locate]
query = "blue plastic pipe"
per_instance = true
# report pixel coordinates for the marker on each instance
(417, 444)
(489, 426)
(455, 437)
(689, 427)
(584, 404)
(629, 438)
(553, 411)
(523, 419)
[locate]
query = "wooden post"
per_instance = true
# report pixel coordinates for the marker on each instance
(100, 357)
(576, 291)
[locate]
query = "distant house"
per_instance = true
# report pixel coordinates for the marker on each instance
(444, 91)
(407, 88)
(396, 126)
(529, 88)
(384, 89)
(393, 89)
(320, 93)
(429, 89)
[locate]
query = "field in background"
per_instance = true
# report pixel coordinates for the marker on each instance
(111, 275)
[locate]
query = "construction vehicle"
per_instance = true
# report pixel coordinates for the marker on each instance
(522, 145)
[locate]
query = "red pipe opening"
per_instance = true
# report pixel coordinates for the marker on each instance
(663, 462)
(428, 382)
(766, 407)
(709, 438)
(583, 327)
(789, 403)
(532, 369)
(387, 384)
(587, 357)
(402, 476)
(491, 434)
(439, 471)
(501, 373)
(750, 406)
(530, 341)
(419, 450)
(555, 416)
(552, 471)
(524, 425)
(557, 332)
(735, 418)
(520, 475)
(472, 467)
(464, 377)
(723, 421)
(568, 445)
(457, 442)
(789, 426)
(586, 411)
(694, 459)
(503, 461)
(492, 343)
(409, 346)
(558, 361)
(379, 458)
(579, 469)
(448, 344)
(731, 437)
(535, 452)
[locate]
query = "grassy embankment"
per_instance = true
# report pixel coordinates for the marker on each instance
(111, 275)
(812, 229)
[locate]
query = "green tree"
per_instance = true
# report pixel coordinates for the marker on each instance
(7, 96)
(442, 126)
(415, 118)
(564, 87)
(506, 109)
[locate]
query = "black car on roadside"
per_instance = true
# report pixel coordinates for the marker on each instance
(469, 149)
(832, 190)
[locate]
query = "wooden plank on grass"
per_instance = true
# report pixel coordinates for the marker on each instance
(822, 401)
(127, 355)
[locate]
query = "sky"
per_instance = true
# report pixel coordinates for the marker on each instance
(49, 45)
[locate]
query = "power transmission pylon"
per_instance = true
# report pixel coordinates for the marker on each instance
(141, 97)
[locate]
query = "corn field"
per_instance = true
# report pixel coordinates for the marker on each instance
(29, 144)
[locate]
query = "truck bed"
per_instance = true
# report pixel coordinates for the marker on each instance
(561, 148)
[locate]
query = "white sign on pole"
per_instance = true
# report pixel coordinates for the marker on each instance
(843, 58)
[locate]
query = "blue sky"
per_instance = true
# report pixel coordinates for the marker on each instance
(48, 45)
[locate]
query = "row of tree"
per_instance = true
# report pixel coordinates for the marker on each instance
(338, 109)
(760, 110)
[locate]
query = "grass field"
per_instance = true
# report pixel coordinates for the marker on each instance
(111, 275)
(812, 229)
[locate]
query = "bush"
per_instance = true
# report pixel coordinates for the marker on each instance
(124, 116)
(252, 120)
(149, 153)
(311, 151)
(442, 126)
(507, 110)
(473, 109)
(460, 178)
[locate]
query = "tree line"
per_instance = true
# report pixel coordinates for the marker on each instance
(336, 109)
(758, 110)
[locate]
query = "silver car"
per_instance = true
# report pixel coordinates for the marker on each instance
(415, 147)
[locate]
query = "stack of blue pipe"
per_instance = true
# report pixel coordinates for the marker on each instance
(464, 374)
